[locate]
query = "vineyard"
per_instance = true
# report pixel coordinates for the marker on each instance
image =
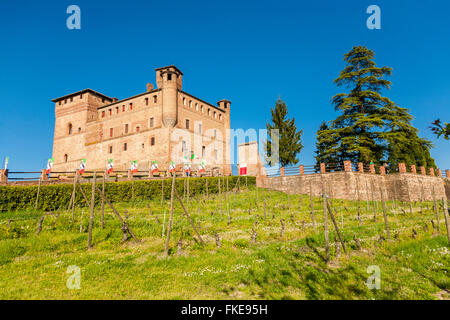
(235, 241)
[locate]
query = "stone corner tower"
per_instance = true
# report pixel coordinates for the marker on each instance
(170, 80)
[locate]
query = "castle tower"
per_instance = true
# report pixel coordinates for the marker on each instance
(169, 80)
(73, 113)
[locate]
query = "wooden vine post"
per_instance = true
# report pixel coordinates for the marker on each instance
(325, 225)
(385, 215)
(91, 209)
(162, 192)
(436, 210)
(38, 192)
(166, 249)
(311, 205)
(330, 212)
(74, 191)
(102, 222)
(447, 218)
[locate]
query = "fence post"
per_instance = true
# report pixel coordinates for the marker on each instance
(301, 170)
(422, 170)
(372, 168)
(439, 173)
(360, 167)
(347, 166)
(282, 171)
(447, 173)
(3, 175)
(413, 169)
(382, 170)
(401, 168)
(322, 168)
(431, 171)
(44, 175)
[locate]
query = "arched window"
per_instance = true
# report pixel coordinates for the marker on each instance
(66, 157)
(69, 128)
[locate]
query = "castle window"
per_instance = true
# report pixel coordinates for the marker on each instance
(146, 101)
(138, 129)
(70, 128)
(196, 106)
(209, 112)
(201, 109)
(151, 124)
(143, 146)
(103, 114)
(110, 149)
(125, 146)
(110, 112)
(215, 154)
(117, 109)
(60, 103)
(71, 99)
(131, 106)
(123, 108)
(215, 114)
(66, 157)
(200, 128)
(220, 116)
(111, 132)
(183, 146)
(187, 123)
(215, 133)
(65, 101)
(79, 129)
(190, 103)
(155, 99)
(126, 128)
(81, 96)
(203, 151)
(184, 101)
(152, 141)
(169, 76)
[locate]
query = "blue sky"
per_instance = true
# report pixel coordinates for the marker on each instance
(249, 52)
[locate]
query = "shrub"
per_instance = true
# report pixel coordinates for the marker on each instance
(53, 197)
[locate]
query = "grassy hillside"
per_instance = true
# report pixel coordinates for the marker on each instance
(276, 266)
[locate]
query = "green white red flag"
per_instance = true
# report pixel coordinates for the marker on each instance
(110, 166)
(172, 167)
(49, 166)
(82, 166)
(154, 166)
(134, 166)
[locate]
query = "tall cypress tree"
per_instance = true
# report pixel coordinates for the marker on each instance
(372, 128)
(290, 143)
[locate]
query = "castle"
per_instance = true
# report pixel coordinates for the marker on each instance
(162, 124)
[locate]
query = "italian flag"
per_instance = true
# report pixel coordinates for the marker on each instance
(82, 166)
(49, 166)
(134, 166)
(155, 166)
(202, 166)
(110, 166)
(172, 167)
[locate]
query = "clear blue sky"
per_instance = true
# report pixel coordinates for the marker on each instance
(249, 52)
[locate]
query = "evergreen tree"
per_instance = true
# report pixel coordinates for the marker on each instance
(372, 128)
(290, 143)
(326, 142)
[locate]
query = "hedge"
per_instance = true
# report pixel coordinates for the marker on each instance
(53, 197)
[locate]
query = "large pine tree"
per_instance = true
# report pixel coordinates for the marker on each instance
(326, 142)
(372, 128)
(441, 129)
(290, 143)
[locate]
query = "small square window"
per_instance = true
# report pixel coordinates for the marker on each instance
(187, 123)
(125, 146)
(152, 141)
(151, 124)
(110, 149)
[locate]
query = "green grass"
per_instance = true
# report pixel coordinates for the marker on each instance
(291, 266)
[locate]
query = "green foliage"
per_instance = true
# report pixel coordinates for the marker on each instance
(371, 127)
(290, 143)
(53, 197)
(441, 129)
